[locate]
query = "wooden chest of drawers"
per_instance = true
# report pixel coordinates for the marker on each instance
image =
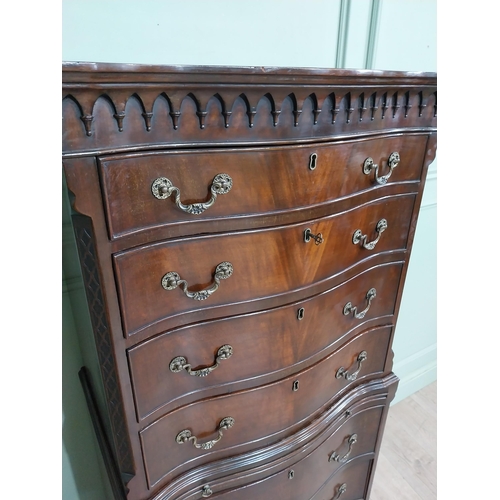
(244, 236)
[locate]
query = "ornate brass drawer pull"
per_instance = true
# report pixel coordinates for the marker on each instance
(308, 236)
(172, 280)
(392, 162)
(180, 363)
(343, 373)
(163, 188)
(342, 489)
(335, 457)
(185, 435)
(359, 237)
(348, 308)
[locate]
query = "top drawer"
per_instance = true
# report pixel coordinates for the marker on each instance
(262, 180)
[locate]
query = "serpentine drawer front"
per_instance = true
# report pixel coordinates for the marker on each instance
(182, 365)
(248, 182)
(166, 279)
(341, 458)
(244, 236)
(350, 484)
(259, 416)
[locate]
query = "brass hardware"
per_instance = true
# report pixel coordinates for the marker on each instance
(342, 372)
(206, 491)
(185, 435)
(392, 162)
(291, 474)
(300, 313)
(162, 188)
(313, 161)
(342, 489)
(295, 386)
(172, 280)
(359, 237)
(335, 457)
(348, 308)
(180, 363)
(318, 238)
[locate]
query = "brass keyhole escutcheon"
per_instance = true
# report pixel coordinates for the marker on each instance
(313, 161)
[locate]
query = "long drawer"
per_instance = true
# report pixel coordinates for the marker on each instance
(349, 484)
(246, 266)
(234, 423)
(298, 483)
(331, 464)
(138, 188)
(182, 365)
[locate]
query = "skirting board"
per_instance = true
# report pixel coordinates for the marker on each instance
(416, 372)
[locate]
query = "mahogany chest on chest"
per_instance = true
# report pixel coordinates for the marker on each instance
(244, 236)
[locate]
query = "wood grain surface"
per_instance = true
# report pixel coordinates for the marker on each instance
(262, 415)
(125, 126)
(266, 263)
(273, 342)
(264, 180)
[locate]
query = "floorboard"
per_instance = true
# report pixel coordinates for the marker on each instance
(407, 465)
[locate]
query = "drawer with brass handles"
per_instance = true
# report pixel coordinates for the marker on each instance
(243, 237)
(164, 280)
(350, 483)
(148, 190)
(225, 425)
(213, 357)
(299, 482)
(321, 473)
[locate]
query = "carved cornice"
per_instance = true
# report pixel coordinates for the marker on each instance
(147, 104)
(343, 100)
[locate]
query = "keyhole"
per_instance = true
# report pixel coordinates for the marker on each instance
(313, 161)
(291, 474)
(295, 386)
(300, 313)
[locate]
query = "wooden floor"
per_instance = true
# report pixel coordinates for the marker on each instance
(406, 467)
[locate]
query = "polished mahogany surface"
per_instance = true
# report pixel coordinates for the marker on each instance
(244, 236)
(264, 180)
(295, 264)
(276, 332)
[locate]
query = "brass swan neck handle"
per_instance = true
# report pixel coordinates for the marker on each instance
(162, 188)
(392, 163)
(343, 373)
(172, 280)
(335, 457)
(185, 435)
(348, 308)
(358, 236)
(180, 363)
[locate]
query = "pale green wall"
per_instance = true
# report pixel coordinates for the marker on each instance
(304, 33)
(241, 33)
(406, 39)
